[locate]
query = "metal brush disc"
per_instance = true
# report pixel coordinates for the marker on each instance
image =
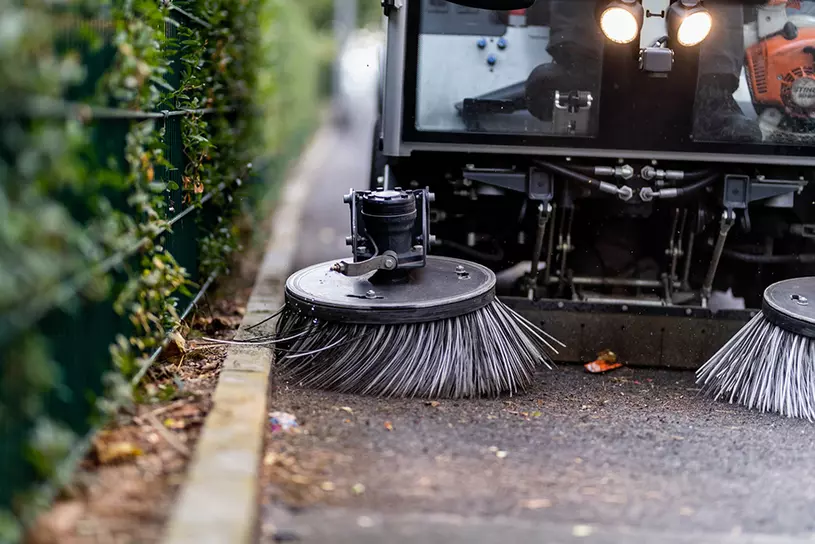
(444, 288)
(790, 304)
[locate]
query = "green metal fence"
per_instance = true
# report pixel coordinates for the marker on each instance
(57, 335)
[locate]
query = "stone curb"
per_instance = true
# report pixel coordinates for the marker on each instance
(218, 502)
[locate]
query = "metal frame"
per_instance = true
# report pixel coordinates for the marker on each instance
(644, 336)
(394, 145)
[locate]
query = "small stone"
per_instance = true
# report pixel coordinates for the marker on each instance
(535, 504)
(500, 454)
(358, 489)
(365, 521)
(582, 530)
(327, 486)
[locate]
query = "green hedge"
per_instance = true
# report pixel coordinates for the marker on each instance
(133, 134)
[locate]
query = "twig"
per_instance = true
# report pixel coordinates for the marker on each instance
(167, 435)
(160, 410)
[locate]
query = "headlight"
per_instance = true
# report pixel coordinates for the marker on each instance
(619, 24)
(689, 22)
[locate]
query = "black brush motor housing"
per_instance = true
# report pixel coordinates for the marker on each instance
(389, 219)
(389, 233)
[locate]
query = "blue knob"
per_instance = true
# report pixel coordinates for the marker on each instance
(502, 43)
(491, 60)
(482, 43)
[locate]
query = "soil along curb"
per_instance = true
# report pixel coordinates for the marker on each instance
(218, 502)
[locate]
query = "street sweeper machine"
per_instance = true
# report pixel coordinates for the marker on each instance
(551, 178)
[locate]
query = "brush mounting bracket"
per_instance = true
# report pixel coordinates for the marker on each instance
(390, 231)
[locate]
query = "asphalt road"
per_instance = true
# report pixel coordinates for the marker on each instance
(632, 456)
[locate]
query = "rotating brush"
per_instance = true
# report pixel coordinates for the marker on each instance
(769, 365)
(398, 322)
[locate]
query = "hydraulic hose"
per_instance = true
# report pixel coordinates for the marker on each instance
(647, 194)
(698, 174)
(803, 258)
(624, 192)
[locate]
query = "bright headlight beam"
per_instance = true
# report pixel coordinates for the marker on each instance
(619, 25)
(694, 28)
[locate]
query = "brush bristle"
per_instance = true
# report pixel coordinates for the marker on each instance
(482, 354)
(765, 368)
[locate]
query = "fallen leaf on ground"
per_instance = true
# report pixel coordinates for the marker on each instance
(171, 423)
(347, 409)
(389, 425)
(270, 459)
(606, 361)
(176, 346)
(433, 403)
(111, 452)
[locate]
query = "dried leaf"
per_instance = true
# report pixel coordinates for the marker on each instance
(111, 452)
(599, 366)
(433, 403)
(606, 360)
(171, 423)
(389, 425)
(270, 459)
(198, 188)
(347, 409)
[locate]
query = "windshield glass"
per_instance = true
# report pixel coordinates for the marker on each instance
(540, 72)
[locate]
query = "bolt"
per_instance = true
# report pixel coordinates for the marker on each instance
(346, 199)
(625, 307)
(389, 263)
(688, 311)
(349, 240)
(370, 294)
(560, 305)
(800, 299)
(431, 197)
(460, 269)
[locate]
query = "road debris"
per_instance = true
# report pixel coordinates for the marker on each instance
(358, 489)
(388, 425)
(501, 454)
(536, 504)
(605, 362)
(283, 422)
(582, 530)
(112, 452)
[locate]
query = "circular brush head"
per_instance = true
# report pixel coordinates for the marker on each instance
(769, 364)
(441, 334)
